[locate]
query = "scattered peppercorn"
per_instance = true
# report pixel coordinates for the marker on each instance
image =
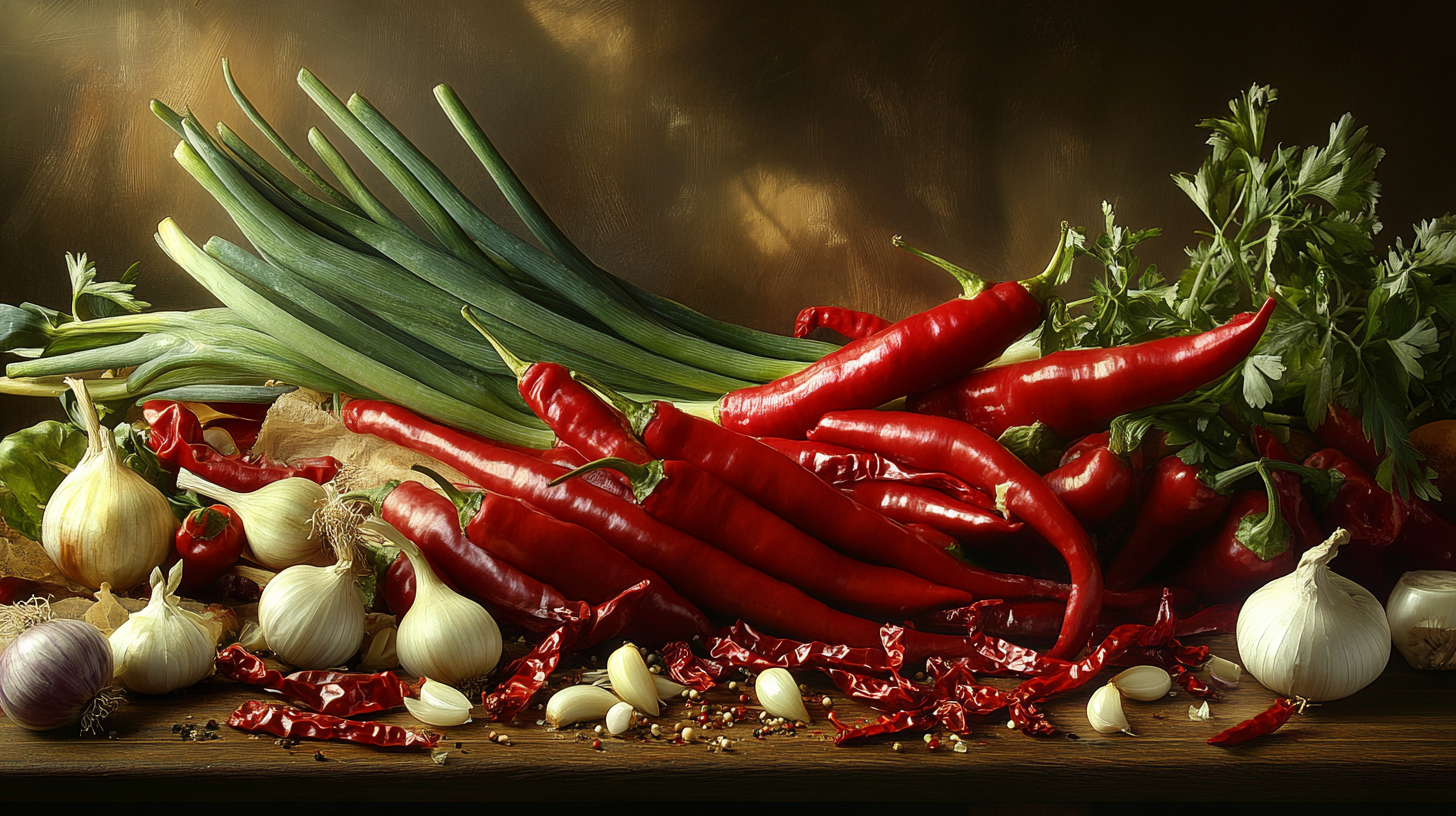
(319, 756)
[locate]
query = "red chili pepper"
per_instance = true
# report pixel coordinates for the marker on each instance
(1096, 484)
(937, 443)
(291, 723)
(210, 540)
(847, 322)
(710, 578)
(698, 504)
(1223, 567)
(1343, 431)
(1373, 516)
(1265, 722)
(1427, 541)
(842, 466)
(1080, 391)
(1176, 506)
(1038, 621)
(342, 694)
(909, 356)
(1293, 505)
(912, 504)
(176, 437)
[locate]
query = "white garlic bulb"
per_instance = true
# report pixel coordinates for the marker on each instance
(1422, 615)
(1314, 634)
(1104, 711)
(631, 680)
(104, 523)
(313, 617)
(163, 647)
(779, 695)
(278, 517)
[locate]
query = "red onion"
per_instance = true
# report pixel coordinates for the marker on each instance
(55, 673)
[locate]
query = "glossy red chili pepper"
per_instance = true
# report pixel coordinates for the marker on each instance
(698, 504)
(709, 577)
(1343, 431)
(913, 504)
(1080, 391)
(1222, 567)
(1097, 485)
(1265, 722)
(291, 723)
(1101, 441)
(176, 438)
(842, 466)
(847, 322)
(210, 540)
(342, 694)
(1373, 516)
(909, 356)
(938, 443)
(806, 501)
(1176, 506)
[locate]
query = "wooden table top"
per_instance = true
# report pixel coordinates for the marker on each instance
(1393, 741)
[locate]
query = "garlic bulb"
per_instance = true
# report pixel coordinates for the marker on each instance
(444, 635)
(631, 680)
(1144, 683)
(278, 517)
(1422, 615)
(104, 522)
(1104, 711)
(439, 705)
(779, 695)
(575, 704)
(163, 647)
(1314, 634)
(313, 617)
(620, 718)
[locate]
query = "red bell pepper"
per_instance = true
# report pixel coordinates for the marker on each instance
(1080, 391)
(210, 540)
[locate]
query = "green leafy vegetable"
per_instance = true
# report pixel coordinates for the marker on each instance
(32, 464)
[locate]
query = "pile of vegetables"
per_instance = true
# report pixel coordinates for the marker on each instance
(1005, 484)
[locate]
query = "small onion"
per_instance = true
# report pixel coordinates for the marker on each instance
(55, 673)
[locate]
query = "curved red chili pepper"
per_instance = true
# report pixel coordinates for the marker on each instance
(1343, 431)
(1222, 568)
(1373, 516)
(1082, 390)
(1176, 505)
(341, 694)
(913, 504)
(1097, 486)
(710, 578)
(842, 466)
(937, 443)
(209, 541)
(292, 723)
(698, 504)
(847, 322)
(909, 356)
(176, 438)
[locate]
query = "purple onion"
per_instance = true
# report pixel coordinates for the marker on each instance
(53, 672)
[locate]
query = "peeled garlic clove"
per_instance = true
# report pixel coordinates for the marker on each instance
(1422, 614)
(439, 705)
(575, 704)
(1226, 673)
(1199, 713)
(620, 718)
(1145, 683)
(1104, 711)
(667, 689)
(631, 680)
(779, 695)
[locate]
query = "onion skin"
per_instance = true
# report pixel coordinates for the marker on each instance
(51, 671)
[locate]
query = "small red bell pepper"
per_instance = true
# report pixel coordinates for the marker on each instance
(1373, 517)
(1097, 485)
(210, 540)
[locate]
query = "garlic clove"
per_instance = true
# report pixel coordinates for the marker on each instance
(621, 718)
(1226, 673)
(1199, 713)
(1104, 711)
(1422, 615)
(779, 695)
(1144, 683)
(631, 680)
(379, 651)
(667, 689)
(575, 704)
(439, 705)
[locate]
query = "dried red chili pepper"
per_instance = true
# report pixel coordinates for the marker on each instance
(698, 504)
(911, 355)
(1176, 505)
(1265, 722)
(176, 438)
(209, 541)
(913, 504)
(341, 694)
(1224, 567)
(1190, 683)
(842, 466)
(291, 723)
(846, 322)
(1080, 391)
(689, 669)
(937, 443)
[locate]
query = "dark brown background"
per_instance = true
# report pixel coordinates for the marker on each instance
(748, 158)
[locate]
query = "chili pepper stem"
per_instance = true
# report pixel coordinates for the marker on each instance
(517, 366)
(702, 410)
(644, 478)
(467, 503)
(971, 283)
(1058, 268)
(638, 414)
(372, 496)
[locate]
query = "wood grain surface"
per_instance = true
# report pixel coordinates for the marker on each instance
(1393, 741)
